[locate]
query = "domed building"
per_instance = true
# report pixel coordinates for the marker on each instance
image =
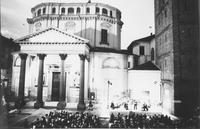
(72, 54)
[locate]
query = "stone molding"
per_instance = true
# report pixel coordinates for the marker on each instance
(74, 17)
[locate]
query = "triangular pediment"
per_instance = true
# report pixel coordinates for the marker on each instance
(52, 35)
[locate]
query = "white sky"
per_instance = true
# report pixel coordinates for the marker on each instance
(137, 15)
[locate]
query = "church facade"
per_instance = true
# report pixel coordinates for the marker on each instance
(73, 54)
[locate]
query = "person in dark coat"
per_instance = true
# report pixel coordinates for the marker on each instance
(126, 106)
(90, 106)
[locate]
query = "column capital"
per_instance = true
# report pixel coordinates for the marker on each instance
(88, 58)
(82, 56)
(63, 56)
(23, 56)
(41, 56)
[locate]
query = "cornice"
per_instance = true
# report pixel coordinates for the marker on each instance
(75, 17)
(49, 43)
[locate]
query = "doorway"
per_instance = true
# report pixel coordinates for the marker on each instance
(55, 86)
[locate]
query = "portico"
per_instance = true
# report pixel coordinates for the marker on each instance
(40, 48)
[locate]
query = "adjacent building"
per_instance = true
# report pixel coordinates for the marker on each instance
(176, 43)
(143, 49)
(7, 46)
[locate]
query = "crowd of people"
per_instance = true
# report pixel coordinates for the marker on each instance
(140, 121)
(134, 120)
(64, 119)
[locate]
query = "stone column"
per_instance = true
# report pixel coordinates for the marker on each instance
(62, 93)
(39, 102)
(87, 86)
(20, 101)
(81, 103)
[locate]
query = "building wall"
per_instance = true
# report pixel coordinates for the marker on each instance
(104, 67)
(7, 47)
(176, 46)
(141, 81)
(147, 51)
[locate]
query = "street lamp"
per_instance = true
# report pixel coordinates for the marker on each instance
(109, 83)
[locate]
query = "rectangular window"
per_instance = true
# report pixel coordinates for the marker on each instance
(141, 50)
(165, 12)
(104, 36)
(44, 10)
(111, 14)
(62, 10)
(165, 37)
(53, 10)
(129, 64)
(165, 63)
(97, 10)
(87, 10)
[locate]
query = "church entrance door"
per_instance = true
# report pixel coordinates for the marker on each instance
(55, 86)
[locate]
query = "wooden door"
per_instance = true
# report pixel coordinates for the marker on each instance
(55, 86)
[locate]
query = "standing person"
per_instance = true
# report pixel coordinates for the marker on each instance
(112, 105)
(90, 106)
(135, 105)
(126, 106)
(145, 107)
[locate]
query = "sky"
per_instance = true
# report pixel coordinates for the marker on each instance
(137, 15)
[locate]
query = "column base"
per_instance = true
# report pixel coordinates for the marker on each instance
(19, 104)
(81, 106)
(38, 104)
(61, 105)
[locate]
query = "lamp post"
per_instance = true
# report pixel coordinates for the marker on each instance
(109, 83)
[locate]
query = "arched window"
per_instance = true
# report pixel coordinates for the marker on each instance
(53, 10)
(62, 10)
(39, 12)
(70, 10)
(104, 11)
(78, 10)
(97, 10)
(152, 53)
(87, 10)
(44, 10)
